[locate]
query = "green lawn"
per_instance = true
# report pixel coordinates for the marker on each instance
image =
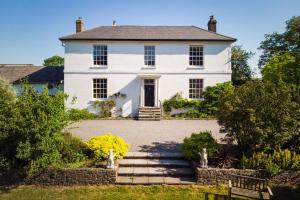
(112, 192)
(131, 192)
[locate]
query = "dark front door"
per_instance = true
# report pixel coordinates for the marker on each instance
(149, 88)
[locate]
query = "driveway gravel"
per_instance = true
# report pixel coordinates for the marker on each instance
(146, 136)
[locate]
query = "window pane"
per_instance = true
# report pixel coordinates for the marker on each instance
(195, 88)
(196, 55)
(149, 55)
(100, 88)
(100, 54)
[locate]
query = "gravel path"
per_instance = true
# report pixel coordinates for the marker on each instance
(145, 136)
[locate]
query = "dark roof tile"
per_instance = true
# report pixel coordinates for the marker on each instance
(181, 33)
(33, 74)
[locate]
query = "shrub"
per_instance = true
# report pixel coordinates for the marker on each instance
(178, 102)
(73, 149)
(30, 131)
(260, 116)
(193, 145)
(211, 96)
(201, 108)
(100, 145)
(105, 107)
(193, 114)
(272, 169)
(80, 114)
(274, 162)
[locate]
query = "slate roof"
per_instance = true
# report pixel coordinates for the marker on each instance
(14, 73)
(152, 33)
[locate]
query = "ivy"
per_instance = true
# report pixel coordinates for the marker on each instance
(107, 105)
(205, 108)
(178, 102)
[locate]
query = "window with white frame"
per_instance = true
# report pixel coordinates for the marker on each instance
(195, 88)
(196, 55)
(100, 88)
(149, 55)
(100, 54)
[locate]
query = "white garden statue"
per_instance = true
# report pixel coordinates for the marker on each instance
(203, 156)
(111, 160)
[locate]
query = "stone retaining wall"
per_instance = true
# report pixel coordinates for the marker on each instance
(212, 176)
(83, 176)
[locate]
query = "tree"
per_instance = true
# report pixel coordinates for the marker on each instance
(55, 61)
(7, 101)
(30, 131)
(211, 96)
(277, 43)
(241, 70)
(259, 115)
(283, 67)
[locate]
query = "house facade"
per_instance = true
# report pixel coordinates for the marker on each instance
(143, 65)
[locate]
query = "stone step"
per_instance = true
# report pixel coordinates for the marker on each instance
(145, 180)
(149, 111)
(154, 155)
(148, 115)
(153, 163)
(149, 119)
(155, 171)
(149, 108)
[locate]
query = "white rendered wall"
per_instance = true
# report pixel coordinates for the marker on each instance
(126, 62)
(129, 57)
(129, 84)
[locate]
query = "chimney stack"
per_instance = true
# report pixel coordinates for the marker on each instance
(114, 23)
(79, 25)
(212, 24)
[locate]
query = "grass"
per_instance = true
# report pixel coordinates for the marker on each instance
(112, 192)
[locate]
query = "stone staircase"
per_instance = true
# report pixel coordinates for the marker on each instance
(150, 113)
(155, 168)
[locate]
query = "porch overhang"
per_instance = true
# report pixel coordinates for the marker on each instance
(149, 76)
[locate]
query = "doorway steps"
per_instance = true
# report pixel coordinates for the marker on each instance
(150, 113)
(141, 168)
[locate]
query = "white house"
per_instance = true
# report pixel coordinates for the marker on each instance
(147, 64)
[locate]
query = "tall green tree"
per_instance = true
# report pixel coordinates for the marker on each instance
(260, 115)
(279, 43)
(55, 61)
(241, 70)
(283, 67)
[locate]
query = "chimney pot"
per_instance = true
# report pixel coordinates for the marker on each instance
(79, 25)
(212, 24)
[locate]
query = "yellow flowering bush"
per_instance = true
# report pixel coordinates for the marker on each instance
(101, 145)
(273, 163)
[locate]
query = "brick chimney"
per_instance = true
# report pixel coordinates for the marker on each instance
(212, 24)
(79, 25)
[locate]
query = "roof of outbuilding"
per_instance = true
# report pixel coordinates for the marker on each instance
(14, 73)
(152, 33)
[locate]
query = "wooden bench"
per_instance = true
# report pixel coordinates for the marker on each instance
(246, 186)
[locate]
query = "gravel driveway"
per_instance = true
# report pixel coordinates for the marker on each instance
(162, 135)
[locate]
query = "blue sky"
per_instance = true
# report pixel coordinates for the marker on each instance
(30, 29)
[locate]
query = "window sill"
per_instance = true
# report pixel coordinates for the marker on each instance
(200, 99)
(148, 67)
(195, 67)
(102, 99)
(99, 67)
